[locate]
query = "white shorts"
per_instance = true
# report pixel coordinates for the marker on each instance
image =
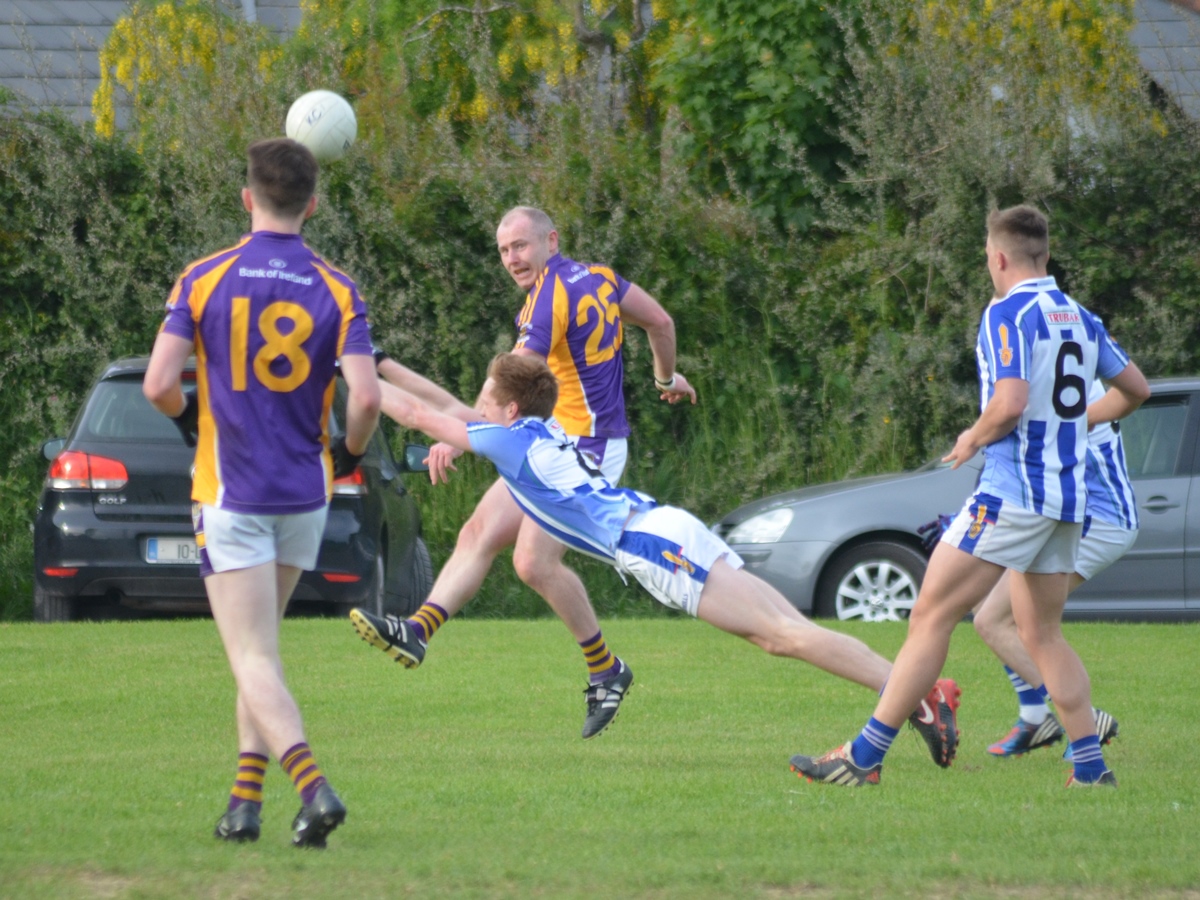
(610, 453)
(229, 540)
(1004, 533)
(1102, 545)
(670, 552)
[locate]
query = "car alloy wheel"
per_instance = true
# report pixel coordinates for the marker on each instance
(876, 582)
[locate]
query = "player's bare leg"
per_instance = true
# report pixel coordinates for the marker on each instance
(493, 526)
(953, 584)
(250, 740)
(740, 603)
(538, 560)
(247, 606)
(997, 627)
(247, 613)
(995, 624)
(1037, 603)
(736, 601)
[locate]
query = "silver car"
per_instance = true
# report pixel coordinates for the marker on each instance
(851, 549)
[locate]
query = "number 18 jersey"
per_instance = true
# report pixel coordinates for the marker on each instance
(1042, 336)
(269, 320)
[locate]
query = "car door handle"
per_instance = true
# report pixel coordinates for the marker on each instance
(1158, 504)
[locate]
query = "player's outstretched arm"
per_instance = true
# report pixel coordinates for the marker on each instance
(1126, 392)
(412, 412)
(420, 387)
(640, 309)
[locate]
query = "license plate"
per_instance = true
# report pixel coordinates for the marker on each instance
(173, 550)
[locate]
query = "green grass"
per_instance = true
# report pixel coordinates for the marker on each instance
(467, 777)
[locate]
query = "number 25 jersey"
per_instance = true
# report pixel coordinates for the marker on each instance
(1039, 334)
(269, 319)
(573, 318)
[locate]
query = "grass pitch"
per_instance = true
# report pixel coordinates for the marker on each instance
(467, 777)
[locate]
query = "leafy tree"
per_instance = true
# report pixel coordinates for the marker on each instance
(752, 82)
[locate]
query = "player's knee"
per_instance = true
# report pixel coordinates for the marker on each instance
(789, 639)
(984, 627)
(478, 537)
(533, 569)
(1034, 636)
(932, 617)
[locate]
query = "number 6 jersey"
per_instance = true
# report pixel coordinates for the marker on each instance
(573, 318)
(269, 320)
(1040, 335)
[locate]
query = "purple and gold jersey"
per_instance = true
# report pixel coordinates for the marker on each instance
(269, 320)
(573, 318)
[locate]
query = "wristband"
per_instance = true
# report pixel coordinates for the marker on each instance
(665, 385)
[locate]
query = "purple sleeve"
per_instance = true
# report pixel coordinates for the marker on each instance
(358, 330)
(179, 321)
(622, 286)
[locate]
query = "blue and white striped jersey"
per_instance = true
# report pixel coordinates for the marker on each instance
(1040, 335)
(554, 485)
(1109, 490)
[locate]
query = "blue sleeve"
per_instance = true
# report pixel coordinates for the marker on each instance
(1004, 344)
(1112, 358)
(496, 443)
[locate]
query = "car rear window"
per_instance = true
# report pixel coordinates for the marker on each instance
(119, 411)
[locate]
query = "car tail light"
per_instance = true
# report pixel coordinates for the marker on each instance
(60, 573)
(352, 485)
(340, 577)
(73, 470)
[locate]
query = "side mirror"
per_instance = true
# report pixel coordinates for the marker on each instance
(414, 456)
(53, 447)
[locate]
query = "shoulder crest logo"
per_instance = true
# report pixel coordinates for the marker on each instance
(1006, 353)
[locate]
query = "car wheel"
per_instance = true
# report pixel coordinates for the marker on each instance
(49, 607)
(875, 582)
(420, 578)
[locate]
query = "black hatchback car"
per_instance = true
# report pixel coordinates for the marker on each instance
(114, 526)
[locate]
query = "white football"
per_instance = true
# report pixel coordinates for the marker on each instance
(324, 123)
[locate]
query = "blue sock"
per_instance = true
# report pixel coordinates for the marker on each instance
(1031, 699)
(1089, 761)
(872, 743)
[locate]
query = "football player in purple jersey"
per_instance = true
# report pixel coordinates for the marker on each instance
(269, 321)
(1038, 351)
(573, 317)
